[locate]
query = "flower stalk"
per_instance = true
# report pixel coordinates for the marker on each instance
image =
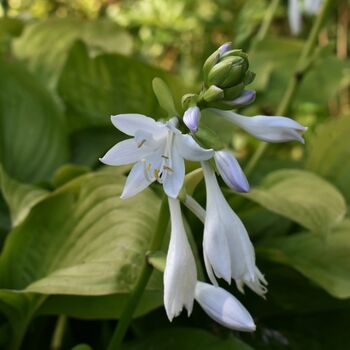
(147, 269)
(296, 79)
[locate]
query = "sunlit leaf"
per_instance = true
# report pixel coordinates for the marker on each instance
(329, 153)
(303, 197)
(44, 45)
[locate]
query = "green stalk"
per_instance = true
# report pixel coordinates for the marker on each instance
(267, 20)
(295, 80)
(147, 269)
(57, 338)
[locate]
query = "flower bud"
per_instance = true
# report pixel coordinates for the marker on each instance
(189, 100)
(231, 172)
(191, 118)
(214, 93)
(223, 307)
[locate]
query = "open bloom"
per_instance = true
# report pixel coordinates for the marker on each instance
(158, 149)
(266, 128)
(227, 249)
(223, 307)
(180, 275)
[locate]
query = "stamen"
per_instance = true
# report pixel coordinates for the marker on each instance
(141, 144)
(168, 168)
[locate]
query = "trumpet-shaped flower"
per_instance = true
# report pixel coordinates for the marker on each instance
(180, 275)
(228, 251)
(266, 128)
(230, 171)
(158, 149)
(223, 307)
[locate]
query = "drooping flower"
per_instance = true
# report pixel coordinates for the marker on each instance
(230, 171)
(223, 307)
(266, 128)
(180, 275)
(157, 148)
(227, 249)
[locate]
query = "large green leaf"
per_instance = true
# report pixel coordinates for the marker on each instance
(323, 259)
(329, 153)
(32, 130)
(185, 339)
(81, 240)
(44, 45)
(303, 197)
(108, 85)
(20, 197)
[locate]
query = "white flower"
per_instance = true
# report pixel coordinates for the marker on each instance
(158, 149)
(227, 249)
(266, 128)
(294, 12)
(180, 275)
(223, 307)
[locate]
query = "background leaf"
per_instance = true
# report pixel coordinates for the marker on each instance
(32, 130)
(302, 197)
(44, 45)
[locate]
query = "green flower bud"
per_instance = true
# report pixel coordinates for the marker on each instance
(189, 100)
(214, 93)
(233, 91)
(211, 61)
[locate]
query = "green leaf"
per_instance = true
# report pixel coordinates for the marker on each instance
(44, 45)
(329, 153)
(68, 172)
(303, 197)
(33, 136)
(274, 61)
(108, 85)
(185, 339)
(81, 240)
(164, 96)
(323, 259)
(20, 197)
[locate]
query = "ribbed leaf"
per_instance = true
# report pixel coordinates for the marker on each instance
(323, 259)
(303, 197)
(44, 45)
(32, 130)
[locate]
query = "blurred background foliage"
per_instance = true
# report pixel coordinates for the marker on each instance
(71, 250)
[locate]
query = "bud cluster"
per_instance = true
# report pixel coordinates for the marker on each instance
(226, 73)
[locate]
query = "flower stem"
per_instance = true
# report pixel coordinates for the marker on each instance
(195, 207)
(296, 78)
(267, 20)
(147, 269)
(58, 334)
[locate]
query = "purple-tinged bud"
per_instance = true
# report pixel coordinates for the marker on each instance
(231, 172)
(247, 97)
(191, 118)
(225, 48)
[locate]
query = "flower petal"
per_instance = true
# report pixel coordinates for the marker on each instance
(223, 307)
(267, 128)
(180, 273)
(294, 16)
(131, 123)
(125, 152)
(230, 171)
(174, 178)
(190, 150)
(136, 181)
